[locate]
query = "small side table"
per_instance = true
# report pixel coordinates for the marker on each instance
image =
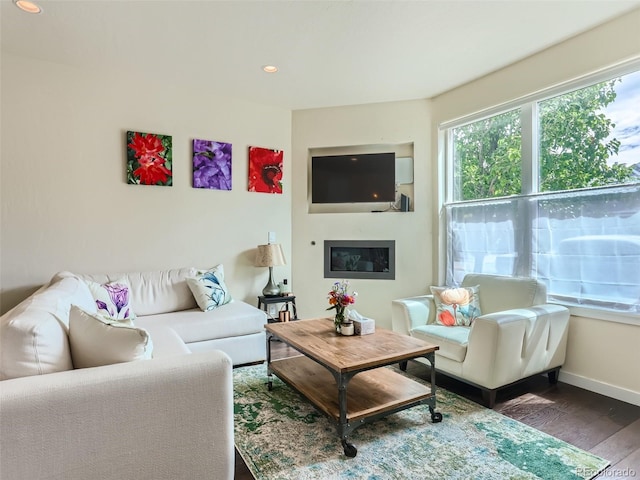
(263, 303)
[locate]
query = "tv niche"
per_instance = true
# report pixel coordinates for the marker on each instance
(360, 178)
(371, 259)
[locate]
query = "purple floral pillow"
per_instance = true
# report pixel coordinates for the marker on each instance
(113, 299)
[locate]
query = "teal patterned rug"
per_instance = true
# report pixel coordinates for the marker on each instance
(282, 436)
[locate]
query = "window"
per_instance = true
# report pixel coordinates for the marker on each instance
(550, 188)
(486, 157)
(579, 146)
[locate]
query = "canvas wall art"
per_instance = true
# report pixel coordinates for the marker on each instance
(149, 159)
(265, 170)
(211, 164)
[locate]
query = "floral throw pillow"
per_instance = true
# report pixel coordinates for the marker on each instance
(456, 306)
(113, 299)
(209, 289)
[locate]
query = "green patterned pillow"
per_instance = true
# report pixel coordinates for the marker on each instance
(209, 289)
(456, 306)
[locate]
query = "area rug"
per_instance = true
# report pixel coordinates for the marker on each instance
(280, 435)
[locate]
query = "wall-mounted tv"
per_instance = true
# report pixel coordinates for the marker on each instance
(361, 178)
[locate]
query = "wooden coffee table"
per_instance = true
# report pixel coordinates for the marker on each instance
(326, 372)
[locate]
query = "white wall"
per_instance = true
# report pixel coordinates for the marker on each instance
(65, 201)
(601, 355)
(374, 124)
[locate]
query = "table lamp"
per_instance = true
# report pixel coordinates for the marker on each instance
(270, 255)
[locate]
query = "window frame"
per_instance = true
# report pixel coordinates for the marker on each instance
(530, 177)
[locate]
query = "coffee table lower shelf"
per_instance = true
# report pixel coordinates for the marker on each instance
(370, 394)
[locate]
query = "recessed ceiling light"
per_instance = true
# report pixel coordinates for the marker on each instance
(270, 68)
(27, 6)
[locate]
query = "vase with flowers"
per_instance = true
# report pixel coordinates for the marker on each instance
(339, 298)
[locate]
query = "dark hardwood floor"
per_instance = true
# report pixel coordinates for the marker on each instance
(601, 425)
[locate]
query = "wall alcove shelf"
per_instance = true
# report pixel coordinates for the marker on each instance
(404, 167)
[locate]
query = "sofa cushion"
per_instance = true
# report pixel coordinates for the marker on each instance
(452, 341)
(456, 306)
(166, 342)
(33, 335)
(155, 292)
(95, 340)
(209, 289)
(500, 293)
(230, 320)
(113, 299)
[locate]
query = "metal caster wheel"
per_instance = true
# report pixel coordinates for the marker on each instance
(350, 449)
(436, 417)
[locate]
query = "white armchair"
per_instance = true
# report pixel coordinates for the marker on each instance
(517, 336)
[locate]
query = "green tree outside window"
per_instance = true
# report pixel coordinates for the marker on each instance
(574, 147)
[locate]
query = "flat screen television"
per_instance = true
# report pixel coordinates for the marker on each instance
(369, 177)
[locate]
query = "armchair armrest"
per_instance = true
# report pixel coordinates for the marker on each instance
(509, 345)
(163, 418)
(409, 313)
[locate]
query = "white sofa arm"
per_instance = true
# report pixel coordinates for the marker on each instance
(412, 312)
(164, 418)
(507, 346)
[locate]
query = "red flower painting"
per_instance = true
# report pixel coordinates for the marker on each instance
(149, 159)
(265, 170)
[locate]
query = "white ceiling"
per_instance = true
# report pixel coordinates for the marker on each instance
(329, 52)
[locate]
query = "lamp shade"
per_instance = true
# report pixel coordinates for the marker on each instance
(270, 255)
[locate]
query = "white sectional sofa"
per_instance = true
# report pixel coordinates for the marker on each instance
(164, 418)
(163, 299)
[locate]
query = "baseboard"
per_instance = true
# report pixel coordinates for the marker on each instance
(602, 388)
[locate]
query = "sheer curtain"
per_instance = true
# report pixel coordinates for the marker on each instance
(584, 244)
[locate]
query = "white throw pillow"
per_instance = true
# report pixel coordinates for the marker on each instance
(34, 336)
(96, 341)
(209, 289)
(113, 299)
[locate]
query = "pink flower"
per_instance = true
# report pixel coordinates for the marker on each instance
(455, 296)
(339, 296)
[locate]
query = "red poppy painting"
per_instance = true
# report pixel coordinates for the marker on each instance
(265, 170)
(149, 159)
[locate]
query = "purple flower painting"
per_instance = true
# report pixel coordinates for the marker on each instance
(211, 164)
